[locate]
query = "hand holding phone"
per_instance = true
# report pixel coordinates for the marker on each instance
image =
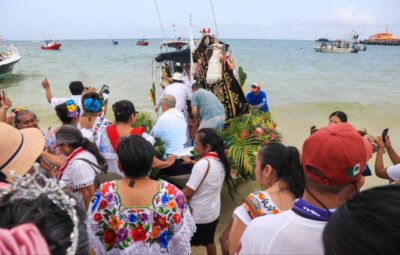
(313, 129)
(384, 134)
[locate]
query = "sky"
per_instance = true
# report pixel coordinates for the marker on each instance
(250, 19)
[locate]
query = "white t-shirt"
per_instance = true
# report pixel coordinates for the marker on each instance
(206, 201)
(78, 101)
(283, 233)
(394, 172)
(171, 127)
(179, 91)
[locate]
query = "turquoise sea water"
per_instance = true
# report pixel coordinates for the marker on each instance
(303, 86)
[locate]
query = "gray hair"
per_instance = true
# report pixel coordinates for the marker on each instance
(197, 85)
(18, 115)
(169, 100)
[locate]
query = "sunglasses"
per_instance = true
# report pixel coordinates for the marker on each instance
(254, 86)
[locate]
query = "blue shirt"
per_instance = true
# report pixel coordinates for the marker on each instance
(208, 105)
(259, 100)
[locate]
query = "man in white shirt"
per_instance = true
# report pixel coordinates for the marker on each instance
(75, 87)
(171, 126)
(334, 158)
(178, 90)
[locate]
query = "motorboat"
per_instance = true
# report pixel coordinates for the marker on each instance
(115, 42)
(142, 42)
(337, 46)
(175, 44)
(51, 45)
(9, 56)
(330, 48)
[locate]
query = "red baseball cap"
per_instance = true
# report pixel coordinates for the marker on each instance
(337, 155)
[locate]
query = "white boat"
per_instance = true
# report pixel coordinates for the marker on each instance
(334, 49)
(9, 56)
(337, 46)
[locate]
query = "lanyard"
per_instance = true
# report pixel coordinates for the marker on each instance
(309, 211)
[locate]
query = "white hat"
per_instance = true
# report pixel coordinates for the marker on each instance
(177, 77)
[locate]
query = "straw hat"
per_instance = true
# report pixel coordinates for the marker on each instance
(19, 149)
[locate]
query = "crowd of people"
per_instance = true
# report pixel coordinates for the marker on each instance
(86, 186)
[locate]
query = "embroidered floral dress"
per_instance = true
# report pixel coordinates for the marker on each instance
(166, 226)
(263, 204)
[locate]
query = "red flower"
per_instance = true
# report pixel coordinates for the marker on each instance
(160, 221)
(97, 217)
(138, 234)
(171, 189)
(244, 134)
(105, 187)
(272, 136)
(103, 204)
(109, 237)
(177, 218)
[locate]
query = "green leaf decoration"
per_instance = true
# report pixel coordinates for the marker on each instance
(242, 76)
(160, 210)
(146, 227)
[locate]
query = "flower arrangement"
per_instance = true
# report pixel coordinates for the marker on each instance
(244, 137)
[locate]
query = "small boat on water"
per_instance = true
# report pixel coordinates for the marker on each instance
(115, 42)
(9, 56)
(51, 45)
(142, 42)
(176, 44)
(349, 45)
(337, 46)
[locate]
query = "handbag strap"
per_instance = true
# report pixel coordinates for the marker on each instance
(204, 177)
(92, 165)
(252, 206)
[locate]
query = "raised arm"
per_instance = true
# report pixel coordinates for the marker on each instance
(46, 86)
(394, 157)
(5, 105)
(380, 169)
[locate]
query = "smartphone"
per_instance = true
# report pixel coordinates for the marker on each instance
(313, 129)
(105, 89)
(384, 134)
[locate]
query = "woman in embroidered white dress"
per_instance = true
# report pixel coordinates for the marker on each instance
(108, 137)
(205, 184)
(82, 165)
(279, 171)
(92, 120)
(137, 215)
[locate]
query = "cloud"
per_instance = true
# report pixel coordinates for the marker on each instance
(350, 16)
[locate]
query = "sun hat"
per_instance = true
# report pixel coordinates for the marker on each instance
(68, 134)
(19, 149)
(335, 155)
(255, 86)
(177, 77)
